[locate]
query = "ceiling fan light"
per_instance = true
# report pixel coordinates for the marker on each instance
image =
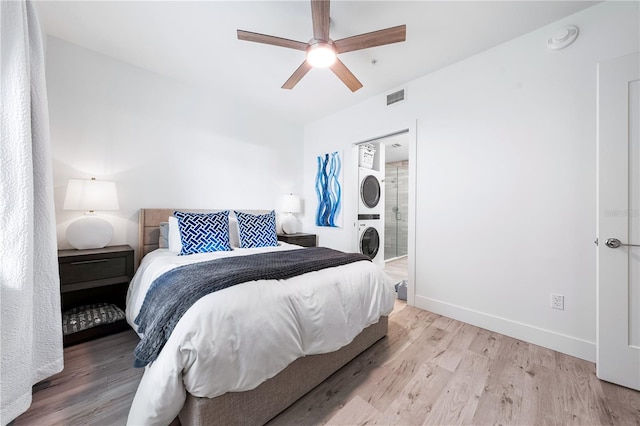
(321, 55)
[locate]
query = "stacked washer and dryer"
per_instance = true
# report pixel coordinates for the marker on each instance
(370, 212)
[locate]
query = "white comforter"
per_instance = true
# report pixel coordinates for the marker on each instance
(236, 338)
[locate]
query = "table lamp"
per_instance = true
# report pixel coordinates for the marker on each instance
(290, 205)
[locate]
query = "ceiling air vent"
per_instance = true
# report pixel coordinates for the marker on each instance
(395, 97)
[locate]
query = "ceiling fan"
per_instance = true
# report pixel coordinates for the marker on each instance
(322, 51)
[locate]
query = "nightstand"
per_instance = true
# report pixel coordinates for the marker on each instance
(304, 240)
(95, 276)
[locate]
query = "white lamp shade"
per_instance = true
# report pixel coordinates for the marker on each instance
(91, 194)
(291, 204)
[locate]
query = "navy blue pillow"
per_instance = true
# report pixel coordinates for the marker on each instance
(203, 232)
(257, 230)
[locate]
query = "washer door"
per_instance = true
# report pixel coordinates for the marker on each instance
(370, 242)
(370, 191)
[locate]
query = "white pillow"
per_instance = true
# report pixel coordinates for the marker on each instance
(175, 243)
(163, 241)
(234, 232)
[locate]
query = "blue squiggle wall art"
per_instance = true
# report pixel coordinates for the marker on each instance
(329, 190)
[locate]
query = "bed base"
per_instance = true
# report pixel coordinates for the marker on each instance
(259, 405)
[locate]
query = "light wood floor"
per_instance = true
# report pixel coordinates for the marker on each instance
(428, 370)
(398, 269)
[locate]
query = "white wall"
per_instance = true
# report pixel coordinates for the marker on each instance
(505, 179)
(164, 144)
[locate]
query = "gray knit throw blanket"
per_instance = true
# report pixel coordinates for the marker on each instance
(171, 294)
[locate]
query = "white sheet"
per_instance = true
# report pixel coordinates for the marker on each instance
(236, 338)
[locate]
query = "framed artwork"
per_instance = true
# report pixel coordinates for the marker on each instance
(329, 190)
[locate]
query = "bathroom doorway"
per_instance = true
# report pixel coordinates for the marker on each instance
(397, 147)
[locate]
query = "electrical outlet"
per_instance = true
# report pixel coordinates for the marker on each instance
(557, 301)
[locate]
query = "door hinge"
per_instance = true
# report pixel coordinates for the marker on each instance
(595, 241)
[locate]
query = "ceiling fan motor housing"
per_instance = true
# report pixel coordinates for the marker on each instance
(321, 54)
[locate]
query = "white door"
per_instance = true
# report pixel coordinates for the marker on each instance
(618, 334)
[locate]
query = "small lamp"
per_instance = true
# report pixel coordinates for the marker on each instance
(290, 205)
(90, 231)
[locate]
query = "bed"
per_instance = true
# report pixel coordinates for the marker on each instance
(202, 376)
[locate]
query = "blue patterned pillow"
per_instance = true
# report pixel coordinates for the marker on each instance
(257, 230)
(203, 232)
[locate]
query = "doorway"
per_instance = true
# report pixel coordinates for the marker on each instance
(399, 268)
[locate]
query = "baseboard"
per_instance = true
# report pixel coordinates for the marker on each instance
(538, 336)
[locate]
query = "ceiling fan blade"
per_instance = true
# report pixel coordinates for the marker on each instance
(275, 41)
(320, 17)
(373, 39)
(345, 75)
(297, 75)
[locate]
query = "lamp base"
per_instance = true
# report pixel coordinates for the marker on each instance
(289, 224)
(89, 232)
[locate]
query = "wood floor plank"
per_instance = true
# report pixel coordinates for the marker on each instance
(539, 396)
(581, 403)
(356, 412)
(455, 345)
(622, 404)
(417, 398)
(405, 328)
(392, 418)
(457, 403)
(598, 410)
(385, 384)
(443, 323)
(502, 396)
(398, 269)
(541, 356)
(486, 343)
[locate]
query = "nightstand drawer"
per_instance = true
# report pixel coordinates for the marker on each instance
(91, 270)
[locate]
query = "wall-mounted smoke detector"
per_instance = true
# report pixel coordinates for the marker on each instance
(562, 38)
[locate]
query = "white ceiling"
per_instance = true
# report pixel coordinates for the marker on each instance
(396, 153)
(195, 42)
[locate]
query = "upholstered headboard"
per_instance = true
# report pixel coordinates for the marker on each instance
(149, 225)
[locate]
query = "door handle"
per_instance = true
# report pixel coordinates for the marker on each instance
(615, 243)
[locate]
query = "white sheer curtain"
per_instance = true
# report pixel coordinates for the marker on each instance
(30, 319)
